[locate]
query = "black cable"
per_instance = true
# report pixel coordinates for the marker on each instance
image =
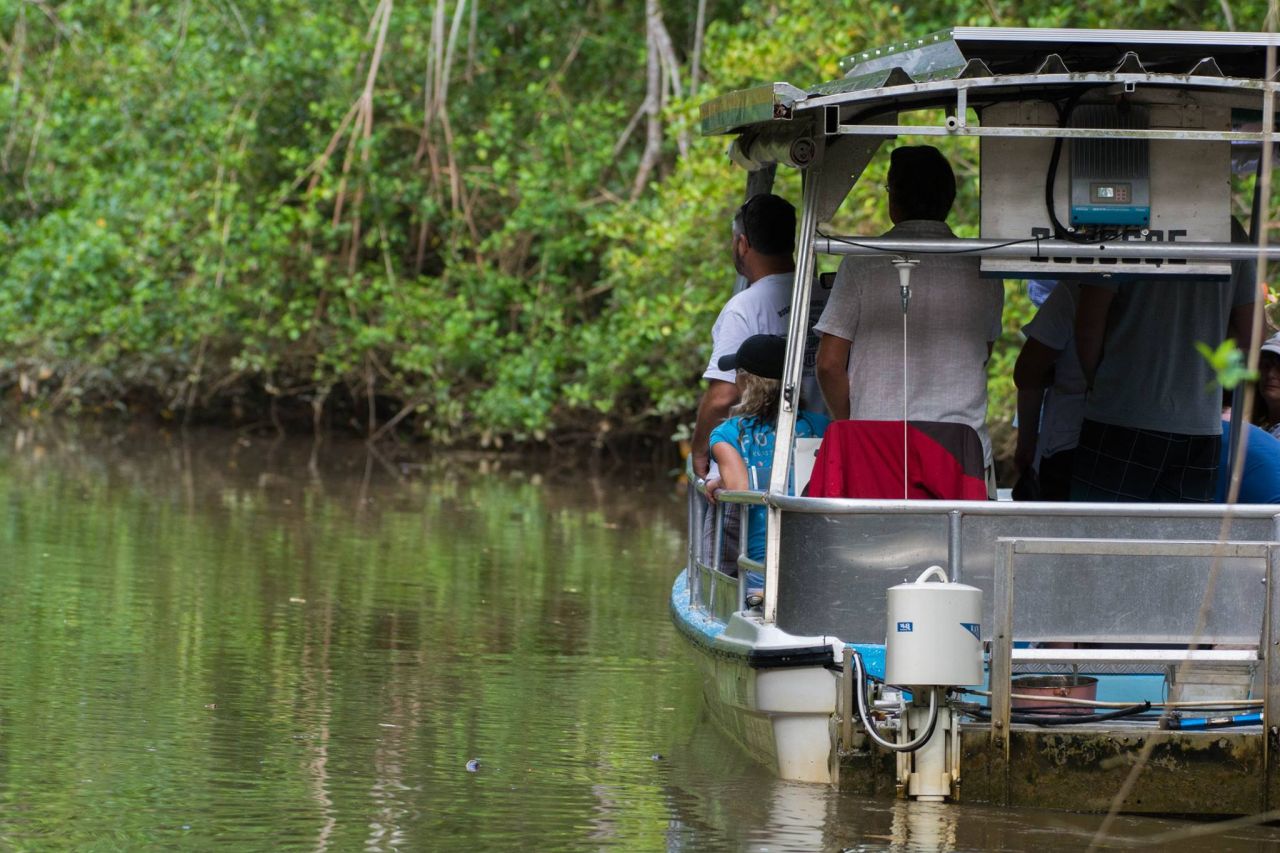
(1076, 709)
(860, 693)
(1068, 719)
(1064, 116)
(848, 242)
(1060, 231)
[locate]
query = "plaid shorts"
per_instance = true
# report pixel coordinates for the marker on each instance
(1114, 463)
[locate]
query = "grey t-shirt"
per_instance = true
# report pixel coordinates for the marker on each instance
(952, 316)
(1150, 375)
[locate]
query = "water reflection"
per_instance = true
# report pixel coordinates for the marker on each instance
(223, 640)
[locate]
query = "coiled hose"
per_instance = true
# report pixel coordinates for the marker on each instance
(860, 690)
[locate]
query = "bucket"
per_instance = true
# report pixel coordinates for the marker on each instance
(1052, 688)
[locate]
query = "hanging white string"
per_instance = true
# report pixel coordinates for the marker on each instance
(904, 266)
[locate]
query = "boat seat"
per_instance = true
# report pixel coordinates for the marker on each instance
(805, 457)
(864, 459)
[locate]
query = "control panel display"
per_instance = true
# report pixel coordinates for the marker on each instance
(1114, 193)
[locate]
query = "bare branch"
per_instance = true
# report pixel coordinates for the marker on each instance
(699, 29)
(652, 107)
(629, 129)
(471, 42)
(1226, 14)
(16, 56)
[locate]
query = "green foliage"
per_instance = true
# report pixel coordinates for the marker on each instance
(1228, 361)
(200, 206)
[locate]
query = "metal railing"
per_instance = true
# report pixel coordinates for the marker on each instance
(1002, 648)
(700, 563)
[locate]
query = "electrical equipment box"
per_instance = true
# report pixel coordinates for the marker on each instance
(1182, 185)
(1110, 178)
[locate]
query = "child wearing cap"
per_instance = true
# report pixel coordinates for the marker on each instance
(743, 444)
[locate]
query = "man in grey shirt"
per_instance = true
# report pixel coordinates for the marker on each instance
(1153, 416)
(953, 316)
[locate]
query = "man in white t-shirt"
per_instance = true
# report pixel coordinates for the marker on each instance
(953, 316)
(764, 241)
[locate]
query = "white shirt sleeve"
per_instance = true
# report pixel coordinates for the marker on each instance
(728, 333)
(1054, 324)
(841, 313)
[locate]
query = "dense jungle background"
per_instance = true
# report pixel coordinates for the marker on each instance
(469, 221)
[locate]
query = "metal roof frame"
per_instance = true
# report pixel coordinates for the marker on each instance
(996, 64)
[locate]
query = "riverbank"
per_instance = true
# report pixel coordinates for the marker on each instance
(660, 445)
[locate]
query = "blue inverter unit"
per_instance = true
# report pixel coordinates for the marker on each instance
(1110, 178)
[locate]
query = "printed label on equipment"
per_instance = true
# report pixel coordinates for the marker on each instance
(973, 628)
(905, 627)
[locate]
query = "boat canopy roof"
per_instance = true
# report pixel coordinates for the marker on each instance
(994, 64)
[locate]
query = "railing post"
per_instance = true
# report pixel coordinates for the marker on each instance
(717, 547)
(793, 373)
(743, 512)
(695, 541)
(954, 544)
(1001, 667)
(717, 539)
(1271, 660)
(846, 698)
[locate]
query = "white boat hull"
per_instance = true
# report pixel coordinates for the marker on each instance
(779, 707)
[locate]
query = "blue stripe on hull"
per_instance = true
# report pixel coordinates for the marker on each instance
(704, 630)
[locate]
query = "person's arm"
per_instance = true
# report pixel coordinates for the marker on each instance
(1240, 327)
(832, 369)
(997, 318)
(733, 471)
(717, 400)
(1032, 373)
(1091, 328)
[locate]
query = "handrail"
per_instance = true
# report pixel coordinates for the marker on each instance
(895, 506)
(1021, 247)
(697, 560)
(856, 506)
(748, 497)
(699, 504)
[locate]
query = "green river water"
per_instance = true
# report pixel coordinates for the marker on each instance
(237, 643)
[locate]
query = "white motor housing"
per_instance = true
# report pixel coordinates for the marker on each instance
(934, 633)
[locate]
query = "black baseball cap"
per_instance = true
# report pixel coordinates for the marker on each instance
(762, 355)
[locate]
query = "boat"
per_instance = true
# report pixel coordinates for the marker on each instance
(1167, 611)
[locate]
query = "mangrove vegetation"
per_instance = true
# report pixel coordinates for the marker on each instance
(469, 221)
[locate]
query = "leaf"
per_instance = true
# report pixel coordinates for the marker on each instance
(1228, 362)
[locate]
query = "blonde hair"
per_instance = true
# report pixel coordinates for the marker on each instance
(760, 398)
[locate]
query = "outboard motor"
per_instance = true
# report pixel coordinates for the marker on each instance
(934, 641)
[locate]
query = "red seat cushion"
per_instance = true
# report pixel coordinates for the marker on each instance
(863, 459)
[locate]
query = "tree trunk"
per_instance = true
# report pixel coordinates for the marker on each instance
(652, 108)
(699, 27)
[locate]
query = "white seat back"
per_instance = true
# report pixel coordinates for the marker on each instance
(806, 454)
